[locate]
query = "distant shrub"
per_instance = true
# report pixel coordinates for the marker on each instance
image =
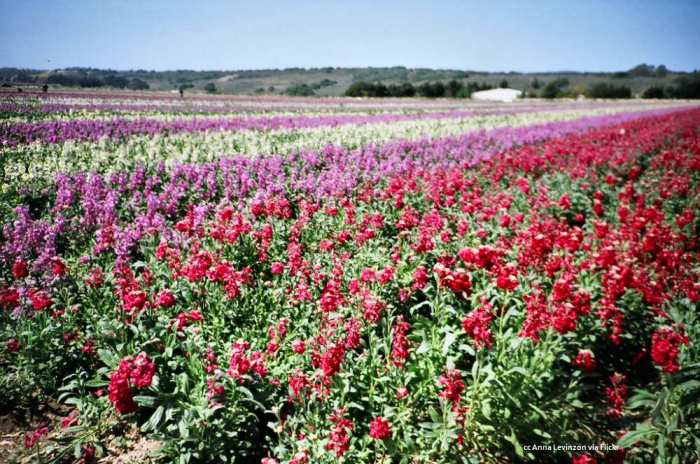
(300, 90)
(402, 90)
(138, 84)
(453, 89)
(323, 83)
(115, 81)
(367, 89)
(555, 88)
(210, 87)
(654, 92)
(686, 87)
(621, 75)
(431, 89)
(605, 90)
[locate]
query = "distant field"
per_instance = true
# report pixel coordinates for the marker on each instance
(337, 80)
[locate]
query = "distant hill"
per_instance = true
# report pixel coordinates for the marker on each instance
(327, 81)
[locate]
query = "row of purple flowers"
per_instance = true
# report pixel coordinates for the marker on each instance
(92, 130)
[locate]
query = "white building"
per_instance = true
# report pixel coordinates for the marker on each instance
(501, 95)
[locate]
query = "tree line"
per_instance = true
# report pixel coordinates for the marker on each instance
(437, 89)
(83, 80)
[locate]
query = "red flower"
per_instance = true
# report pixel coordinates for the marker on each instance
(183, 320)
(96, 278)
(339, 437)
(459, 282)
(331, 359)
(301, 457)
(134, 300)
(142, 371)
(585, 361)
(120, 394)
(617, 395)
(665, 346)
(507, 279)
(373, 308)
(12, 345)
(297, 384)
(565, 202)
(402, 393)
(399, 342)
(88, 455)
(58, 267)
(166, 299)
(239, 364)
(453, 386)
(476, 325)
(20, 269)
(39, 300)
(420, 278)
(379, 428)
(583, 459)
(9, 298)
(139, 371)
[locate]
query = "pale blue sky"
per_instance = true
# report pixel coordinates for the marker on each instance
(536, 35)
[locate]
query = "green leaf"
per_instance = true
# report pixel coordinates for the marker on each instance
(183, 429)
(108, 358)
(642, 433)
(486, 409)
(450, 338)
(538, 410)
(154, 420)
(147, 401)
(513, 439)
(434, 415)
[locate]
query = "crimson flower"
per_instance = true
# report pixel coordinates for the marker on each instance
(379, 428)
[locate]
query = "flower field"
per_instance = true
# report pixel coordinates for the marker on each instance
(281, 280)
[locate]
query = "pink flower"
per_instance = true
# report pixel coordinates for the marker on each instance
(277, 268)
(402, 393)
(31, 439)
(298, 346)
